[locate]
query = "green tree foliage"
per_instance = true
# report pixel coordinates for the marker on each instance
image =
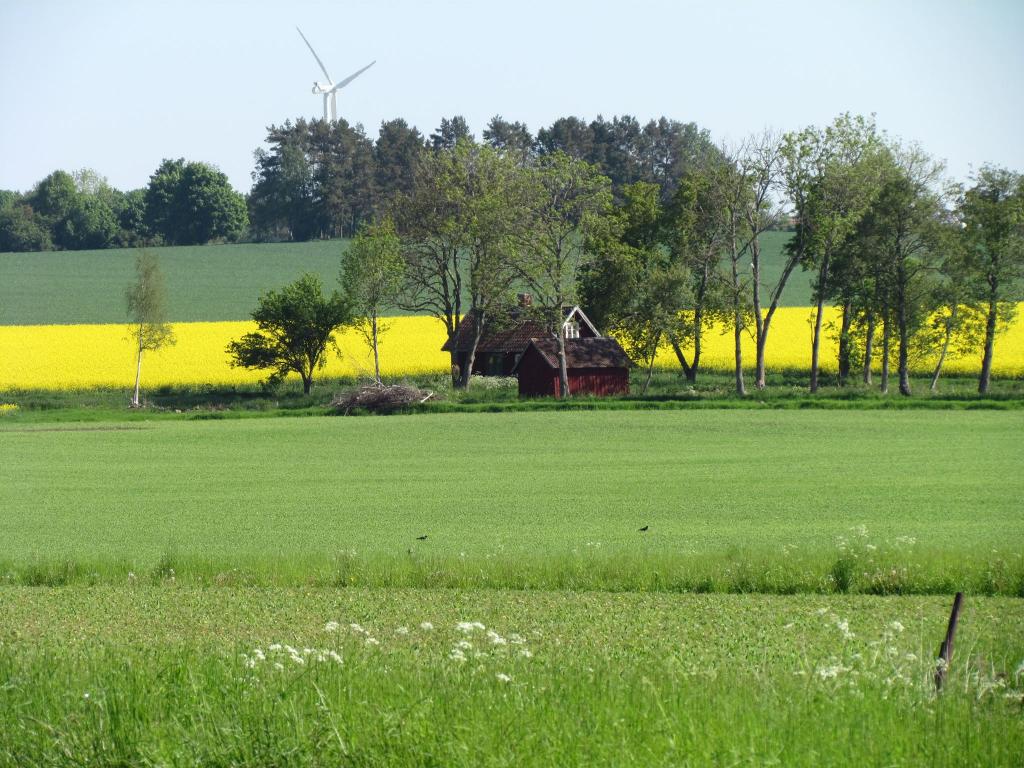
(451, 132)
(89, 223)
(191, 203)
(992, 212)
(632, 284)
(372, 276)
(511, 138)
(316, 180)
(395, 153)
(890, 264)
(22, 229)
(8, 198)
(132, 217)
(695, 234)
(53, 196)
(659, 152)
(146, 301)
(296, 325)
(832, 175)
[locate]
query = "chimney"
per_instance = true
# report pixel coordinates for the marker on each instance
(525, 300)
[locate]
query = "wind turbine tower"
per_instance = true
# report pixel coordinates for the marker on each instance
(330, 89)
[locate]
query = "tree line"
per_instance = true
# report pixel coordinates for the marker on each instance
(655, 229)
(185, 203)
(915, 265)
(315, 179)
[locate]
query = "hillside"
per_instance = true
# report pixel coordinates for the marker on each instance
(213, 282)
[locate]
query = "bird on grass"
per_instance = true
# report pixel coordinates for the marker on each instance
(645, 529)
(422, 538)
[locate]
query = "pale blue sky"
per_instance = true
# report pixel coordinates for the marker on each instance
(116, 86)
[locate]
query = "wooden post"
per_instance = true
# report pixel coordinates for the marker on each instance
(946, 649)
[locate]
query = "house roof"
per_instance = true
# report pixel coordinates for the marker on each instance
(513, 338)
(599, 352)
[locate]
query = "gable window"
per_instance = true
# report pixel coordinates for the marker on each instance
(572, 330)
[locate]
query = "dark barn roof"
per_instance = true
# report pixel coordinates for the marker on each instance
(602, 352)
(513, 338)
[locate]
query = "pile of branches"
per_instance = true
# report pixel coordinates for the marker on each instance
(378, 398)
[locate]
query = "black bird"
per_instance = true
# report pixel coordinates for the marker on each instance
(422, 538)
(644, 529)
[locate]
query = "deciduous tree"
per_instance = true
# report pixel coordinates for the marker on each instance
(992, 212)
(296, 325)
(566, 197)
(146, 301)
(372, 276)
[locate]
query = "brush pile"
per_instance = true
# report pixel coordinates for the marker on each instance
(380, 398)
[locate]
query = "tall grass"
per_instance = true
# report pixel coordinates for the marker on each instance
(737, 571)
(494, 679)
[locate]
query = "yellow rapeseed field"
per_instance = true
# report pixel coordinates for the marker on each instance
(86, 356)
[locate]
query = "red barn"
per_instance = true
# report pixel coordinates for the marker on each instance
(500, 347)
(596, 366)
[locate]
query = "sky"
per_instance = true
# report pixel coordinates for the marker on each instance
(118, 86)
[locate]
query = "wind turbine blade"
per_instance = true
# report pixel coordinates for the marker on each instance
(352, 77)
(322, 67)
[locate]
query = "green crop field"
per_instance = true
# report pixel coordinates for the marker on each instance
(734, 500)
(211, 282)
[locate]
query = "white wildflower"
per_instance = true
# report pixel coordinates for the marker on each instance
(278, 665)
(895, 626)
(830, 672)
(457, 655)
(503, 677)
(334, 656)
(525, 653)
(372, 641)
(275, 647)
(258, 654)
(516, 639)
(495, 638)
(844, 627)
(85, 695)
(402, 631)
(469, 626)
(911, 657)
(331, 626)
(464, 645)
(356, 628)
(426, 626)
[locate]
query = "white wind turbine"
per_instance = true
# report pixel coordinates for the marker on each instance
(331, 88)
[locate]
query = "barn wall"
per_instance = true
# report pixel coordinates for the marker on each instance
(599, 381)
(536, 379)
